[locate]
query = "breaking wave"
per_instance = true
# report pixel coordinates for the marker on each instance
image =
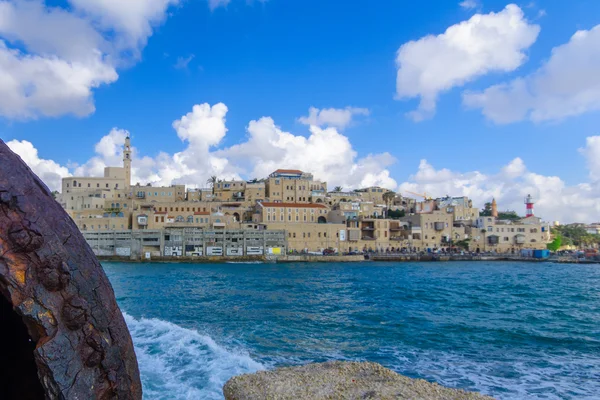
(179, 363)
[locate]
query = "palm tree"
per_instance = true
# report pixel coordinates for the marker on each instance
(211, 181)
(388, 197)
(338, 189)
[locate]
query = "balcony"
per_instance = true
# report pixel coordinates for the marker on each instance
(140, 195)
(493, 240)
(369, 238)
(520, 239)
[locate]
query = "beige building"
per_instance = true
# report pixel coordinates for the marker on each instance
(292, 186)
(510, 236)
(229, 190)
(373, 194)
(159, 194)
(290, 213)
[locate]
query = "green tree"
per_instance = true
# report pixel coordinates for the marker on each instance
(555, 244)
(396, 214)
(388, 197)
(211, 182)
(509, 215)
(338, 189)
(573, 234)
(463, 244)
(486, 211)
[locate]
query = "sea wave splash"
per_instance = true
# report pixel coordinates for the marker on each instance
(553, 377)
(179, 363)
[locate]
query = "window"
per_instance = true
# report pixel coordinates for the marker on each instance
(89, 185)
(156, 194)
(117, 186)
(97, 185)
(490, 229)
(170, 193)
(319, 234)
(107, 185)
(67, 185)
(506, 239)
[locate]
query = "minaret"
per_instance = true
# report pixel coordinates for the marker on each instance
(494, 209)
(127, 162)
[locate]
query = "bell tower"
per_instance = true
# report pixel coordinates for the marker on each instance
(127, 162)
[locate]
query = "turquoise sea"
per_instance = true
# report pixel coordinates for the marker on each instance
(510, 330)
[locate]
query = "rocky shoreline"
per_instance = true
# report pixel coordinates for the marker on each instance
(338, 380)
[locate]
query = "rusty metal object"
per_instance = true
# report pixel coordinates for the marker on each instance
(61, 331)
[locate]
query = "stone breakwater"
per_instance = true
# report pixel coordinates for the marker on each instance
(338, 380)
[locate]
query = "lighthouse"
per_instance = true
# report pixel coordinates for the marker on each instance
(529, 205)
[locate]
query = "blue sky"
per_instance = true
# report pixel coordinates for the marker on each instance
(278, 58)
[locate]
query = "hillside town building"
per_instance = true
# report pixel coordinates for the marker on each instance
(299, 208)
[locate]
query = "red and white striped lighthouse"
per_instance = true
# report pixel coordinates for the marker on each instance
(529, 204)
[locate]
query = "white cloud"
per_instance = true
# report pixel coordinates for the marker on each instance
(335, 117)
(555, 200)
(592, 155)
(567, 85)
(325, 152)
(468, 4)
(50, 172)
(330, 156)
(183, 62)
(132, 19)
(213, 4)
(493, 42)
(52, 58)
(33, 85)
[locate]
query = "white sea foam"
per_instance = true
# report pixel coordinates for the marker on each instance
(552, 377)
(179, 363)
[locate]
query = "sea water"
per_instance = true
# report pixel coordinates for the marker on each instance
(510, 330)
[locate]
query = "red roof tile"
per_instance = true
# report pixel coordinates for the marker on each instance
(201, 213)
(288, 171)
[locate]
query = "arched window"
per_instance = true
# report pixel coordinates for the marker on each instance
(179, 219)
(190, 219)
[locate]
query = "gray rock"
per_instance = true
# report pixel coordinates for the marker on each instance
(337, 380)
